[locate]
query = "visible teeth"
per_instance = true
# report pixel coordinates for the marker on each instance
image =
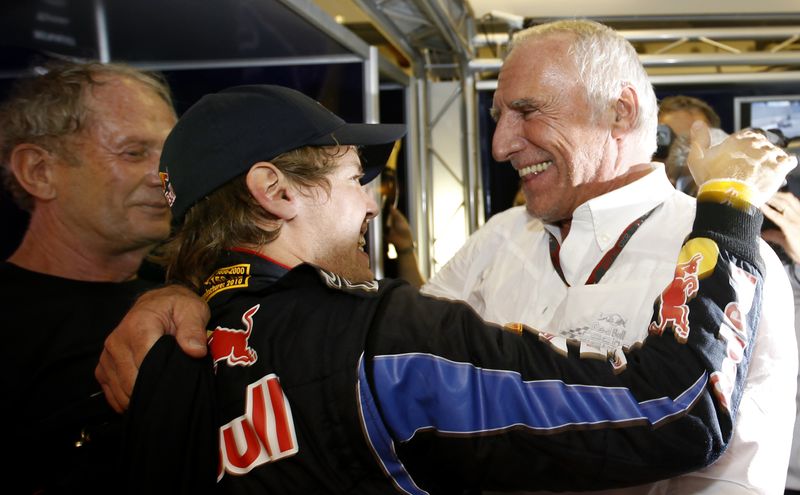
(535, 169)
(361, 243)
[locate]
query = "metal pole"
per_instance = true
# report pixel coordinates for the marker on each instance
(103, 51)
(472, 175)
(372, 116)
(416, 175)
(426, 166)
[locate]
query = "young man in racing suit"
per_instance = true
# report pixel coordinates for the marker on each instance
(325, 381)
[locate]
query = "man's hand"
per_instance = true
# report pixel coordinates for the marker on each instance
(173, 310)
(784, 211)
(399, 232)
(746, 156)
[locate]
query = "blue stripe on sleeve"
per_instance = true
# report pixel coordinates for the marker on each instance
(379, 439)
(423, 391)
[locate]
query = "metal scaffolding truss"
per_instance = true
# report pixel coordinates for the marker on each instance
(436, 37)
(711, 55)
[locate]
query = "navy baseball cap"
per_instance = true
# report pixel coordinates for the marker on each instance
(222, 135)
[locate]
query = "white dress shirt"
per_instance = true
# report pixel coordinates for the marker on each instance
(505, 273)
(793, 477)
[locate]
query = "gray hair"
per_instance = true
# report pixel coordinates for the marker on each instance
(606, 62)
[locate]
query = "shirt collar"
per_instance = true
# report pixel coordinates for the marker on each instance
(609, 214)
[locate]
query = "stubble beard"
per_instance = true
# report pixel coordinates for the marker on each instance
(346, 262)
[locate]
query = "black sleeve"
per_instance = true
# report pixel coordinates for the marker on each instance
(451, 403)
(171, 432)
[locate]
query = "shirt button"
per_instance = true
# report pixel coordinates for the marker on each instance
(604, 238)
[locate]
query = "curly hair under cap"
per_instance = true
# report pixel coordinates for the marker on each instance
(46, 108)
(230, 216)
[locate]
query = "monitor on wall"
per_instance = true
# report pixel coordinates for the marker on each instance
(768, 112)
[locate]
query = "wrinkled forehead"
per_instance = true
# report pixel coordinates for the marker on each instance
(121, 97)
(535, 68)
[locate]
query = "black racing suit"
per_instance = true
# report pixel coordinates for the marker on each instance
(323, 386)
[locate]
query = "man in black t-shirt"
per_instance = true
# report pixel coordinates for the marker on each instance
(79, 150)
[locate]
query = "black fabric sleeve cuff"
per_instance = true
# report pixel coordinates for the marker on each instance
(735, 230)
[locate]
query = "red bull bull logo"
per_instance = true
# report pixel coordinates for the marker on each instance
(232, 344)
(673, 308)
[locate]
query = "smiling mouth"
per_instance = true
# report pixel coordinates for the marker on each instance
(362, 240)
(535, 169)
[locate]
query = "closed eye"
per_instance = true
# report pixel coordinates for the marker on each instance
(525, 107)
(135, 154)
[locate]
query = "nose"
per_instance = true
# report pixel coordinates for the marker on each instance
(152, 178)
(507, 139)
(372, 206)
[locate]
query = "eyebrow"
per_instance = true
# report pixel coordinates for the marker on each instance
(524, 104)
(519, 104)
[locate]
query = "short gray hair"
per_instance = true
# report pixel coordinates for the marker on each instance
(606, 62)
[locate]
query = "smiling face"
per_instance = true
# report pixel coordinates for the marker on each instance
(546, 129)
(338, 220)
(110, 192)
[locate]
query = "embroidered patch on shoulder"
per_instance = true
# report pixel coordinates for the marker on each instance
(514, 327)
(334, 281)
(232, 345)
(227, 277)
(166, 186)
(696, 261)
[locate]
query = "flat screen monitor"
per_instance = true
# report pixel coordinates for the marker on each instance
(768, 112)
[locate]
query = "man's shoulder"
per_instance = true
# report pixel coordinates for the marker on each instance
(513, 223)
(516, 215)
(13, 275)
(677, 211)
(20, 281)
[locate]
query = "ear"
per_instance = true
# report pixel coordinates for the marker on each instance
(272, 190)
(626, 109)
(32, 166)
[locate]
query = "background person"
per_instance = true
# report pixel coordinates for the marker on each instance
(576, 117)
(79, 148)
(679, 112)
(398, 232)
(675, 161)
